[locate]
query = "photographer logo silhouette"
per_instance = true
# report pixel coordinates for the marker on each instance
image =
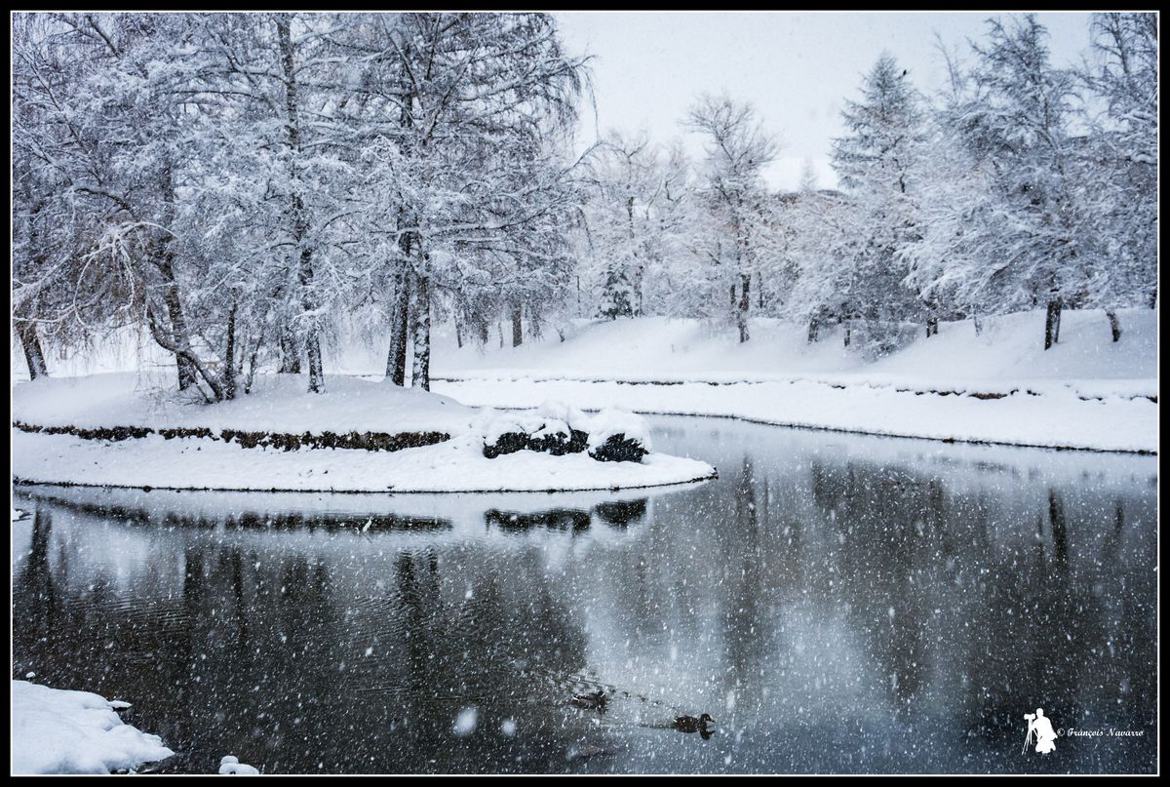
(1039, 732)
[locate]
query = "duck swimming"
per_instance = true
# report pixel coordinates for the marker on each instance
(703, 724)
(592, 701)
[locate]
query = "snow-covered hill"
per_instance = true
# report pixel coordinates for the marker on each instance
(1009, 348)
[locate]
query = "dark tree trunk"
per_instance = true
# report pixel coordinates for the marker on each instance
(641, 278)
(316, 367)
(290, 353)
(229, 356)
(33, 354)
(399, 328)
(848, 333)
(251, 376)
(745, 304)
(312, 337)
(174, 304)
(978, 321)
(517, 325)
(299, 215)
(1052, 323)
(183, 351)
(931, 326)
(420, 373)
(1114, 325)
(165, 262)
(814, 329)
(483, 331)
(458, 332)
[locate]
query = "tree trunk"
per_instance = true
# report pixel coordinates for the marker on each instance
(931, 326)
(1052, 323)
(252, 367)
(316, 367)
(164, 260)
(399, 327)
(182, 350)
(848, 332)
(174, 303)
(517, 325)
(229, 356)
(745, 304)
(33, 354)
(299, 215)
(1114, 325)
(483, 331)
(420, 373)
(639, 277)
(814, 329)
(290, 353)
(978, 321)
(312, 337)
(458, 332)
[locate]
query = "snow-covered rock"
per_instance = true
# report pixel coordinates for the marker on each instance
(232, 765)
(616, 435)
(613, 435)
(56, 731)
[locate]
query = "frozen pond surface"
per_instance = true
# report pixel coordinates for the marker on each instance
(837, 603)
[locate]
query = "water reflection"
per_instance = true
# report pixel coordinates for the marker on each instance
(842, 604)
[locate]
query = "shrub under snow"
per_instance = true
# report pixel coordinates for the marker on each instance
(555, 428)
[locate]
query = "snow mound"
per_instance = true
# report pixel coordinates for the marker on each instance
(231, 765)
(56, 731)
(618, 422)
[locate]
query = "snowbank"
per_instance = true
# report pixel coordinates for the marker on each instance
(55, 731)
(1051, 420)
(457, 465)
(1009, 348)
(278, 403)
(999, 386)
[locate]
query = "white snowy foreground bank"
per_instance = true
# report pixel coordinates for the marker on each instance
(56, 731)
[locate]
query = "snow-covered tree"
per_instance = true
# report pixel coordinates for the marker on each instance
(736, 203)
(877, 161)
(1119, 160)
(1017, 125)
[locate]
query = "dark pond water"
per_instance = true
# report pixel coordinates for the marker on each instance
(838, 604)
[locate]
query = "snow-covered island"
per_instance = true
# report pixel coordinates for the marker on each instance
(58, 731)
(356, 436)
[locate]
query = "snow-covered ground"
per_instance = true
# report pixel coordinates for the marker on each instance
(1086, 392)
(1055, 419)
(277, 403)
(1009, 350)
(57, 731)
(457, 465)
(280, 404)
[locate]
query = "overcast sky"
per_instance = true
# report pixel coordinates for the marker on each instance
(796, 68)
